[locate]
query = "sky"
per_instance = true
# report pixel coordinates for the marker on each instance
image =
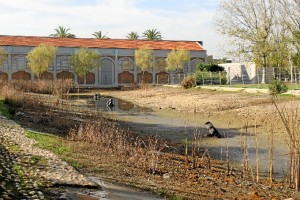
(190, 20)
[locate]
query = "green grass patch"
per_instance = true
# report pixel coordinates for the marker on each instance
(50, 142)
(58, 146)
(38, 160)
(4, 110)
(19, 171)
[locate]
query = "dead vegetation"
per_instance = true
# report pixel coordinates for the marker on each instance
(103, 147)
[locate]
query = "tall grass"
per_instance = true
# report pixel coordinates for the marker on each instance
(80, 125)
(131, 149)
(289, 116)
(57, 88)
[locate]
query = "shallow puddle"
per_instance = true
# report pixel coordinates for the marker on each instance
(120, 106)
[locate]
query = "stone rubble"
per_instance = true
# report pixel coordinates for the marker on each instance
(20, 178)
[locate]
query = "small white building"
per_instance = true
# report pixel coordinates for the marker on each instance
(244, 72)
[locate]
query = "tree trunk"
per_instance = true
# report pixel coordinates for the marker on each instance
(263, 78)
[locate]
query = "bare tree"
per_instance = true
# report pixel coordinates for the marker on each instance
(290, 14)
(248, 24)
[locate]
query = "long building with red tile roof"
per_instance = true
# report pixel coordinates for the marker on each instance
(117, 66)
(31, 41)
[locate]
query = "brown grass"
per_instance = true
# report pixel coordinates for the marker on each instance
(100, 145)
(57, 88)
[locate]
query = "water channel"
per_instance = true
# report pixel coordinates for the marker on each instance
(176, 126)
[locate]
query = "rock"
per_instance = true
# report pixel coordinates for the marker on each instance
(166, 175)
(212, 131)
(32, 192)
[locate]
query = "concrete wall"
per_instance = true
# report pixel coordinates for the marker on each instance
(240, 72)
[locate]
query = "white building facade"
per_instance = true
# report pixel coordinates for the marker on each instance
(116, 67)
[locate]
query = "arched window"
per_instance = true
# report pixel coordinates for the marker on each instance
(161, 65)
(195, 63)
(107, 71)
(63, 63)
(126, 64)
(186, 68)
(19, 63)
(4, 66)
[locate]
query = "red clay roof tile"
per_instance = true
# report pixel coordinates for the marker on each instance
(32, 41)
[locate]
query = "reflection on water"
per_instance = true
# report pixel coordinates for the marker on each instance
(120, 105)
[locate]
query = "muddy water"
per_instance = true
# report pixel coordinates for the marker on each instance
(119, 192)
(176, 126)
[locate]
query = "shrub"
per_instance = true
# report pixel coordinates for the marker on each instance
(209, 67)
(203, 77)
(188, 82)
(277, 87)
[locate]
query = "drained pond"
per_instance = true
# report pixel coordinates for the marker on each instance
(175, 126)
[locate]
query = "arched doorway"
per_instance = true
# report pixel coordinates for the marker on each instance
(107, 72)
(194, 64)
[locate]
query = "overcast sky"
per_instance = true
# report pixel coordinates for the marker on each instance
(175, 19)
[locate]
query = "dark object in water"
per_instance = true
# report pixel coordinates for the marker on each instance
(97, 97)
(212, 131)
(110, 103)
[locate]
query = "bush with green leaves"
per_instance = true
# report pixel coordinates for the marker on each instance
(209, 67)
(277, 87)
(204, 77)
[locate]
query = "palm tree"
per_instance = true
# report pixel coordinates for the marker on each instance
(100, 35)
(152, 34)
(133, 36)
(62, 32)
